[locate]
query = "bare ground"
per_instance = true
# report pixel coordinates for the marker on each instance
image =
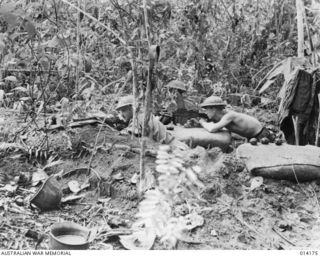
(275, 215)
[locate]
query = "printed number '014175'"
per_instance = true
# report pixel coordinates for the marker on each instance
(309, 253)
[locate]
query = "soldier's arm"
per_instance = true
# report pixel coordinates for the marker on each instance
(214, 127)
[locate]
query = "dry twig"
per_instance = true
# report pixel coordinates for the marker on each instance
(283, 237)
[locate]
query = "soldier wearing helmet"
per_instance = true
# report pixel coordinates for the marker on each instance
(157, 131)
(180, 107)
(124, 107)
(239, 123)
(177, 89)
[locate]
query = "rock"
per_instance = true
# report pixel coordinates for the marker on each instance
(278, 141)
(213, 232)
(264, 140)
(19, 201)
(253, 141)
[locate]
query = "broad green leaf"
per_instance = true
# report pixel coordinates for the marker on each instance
(7, 8)
(10, 18)
(40, 107)
(266, 85)
(286, 67)
(27, 98)
(21, 89)
(11, 78)
(44, 63)
(30, 28)
(54, 42)
(2, 94)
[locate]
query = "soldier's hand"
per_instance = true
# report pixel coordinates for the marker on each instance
(201, 121)
(195, 120)
(192, 123)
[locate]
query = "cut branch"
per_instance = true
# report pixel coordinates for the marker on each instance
(147, 101)
(134, 91)
(300, 6)
(318, 124)
(78, 48)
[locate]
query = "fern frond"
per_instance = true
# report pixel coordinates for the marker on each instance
(177, 177)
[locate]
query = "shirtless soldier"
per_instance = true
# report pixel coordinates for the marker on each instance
(239, 123)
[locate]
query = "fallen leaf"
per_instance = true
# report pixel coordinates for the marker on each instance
(213, 233)
(72, 198)
(9, 188)
(85, 185)
(74, 186)
(38, 176)
(106, 246)
(189, 239)
(134, 179)
(52, 163)
(140, 240)
(193, 220)
(116, 221)
(256, 182)
(16, 156)
(103, 200)
(117, 176)
(285, 227)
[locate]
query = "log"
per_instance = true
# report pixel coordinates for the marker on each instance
(284, 162)
(201, 137)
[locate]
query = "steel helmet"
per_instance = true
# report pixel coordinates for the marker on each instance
(125, 101)
(213, 101)
(177, 84)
